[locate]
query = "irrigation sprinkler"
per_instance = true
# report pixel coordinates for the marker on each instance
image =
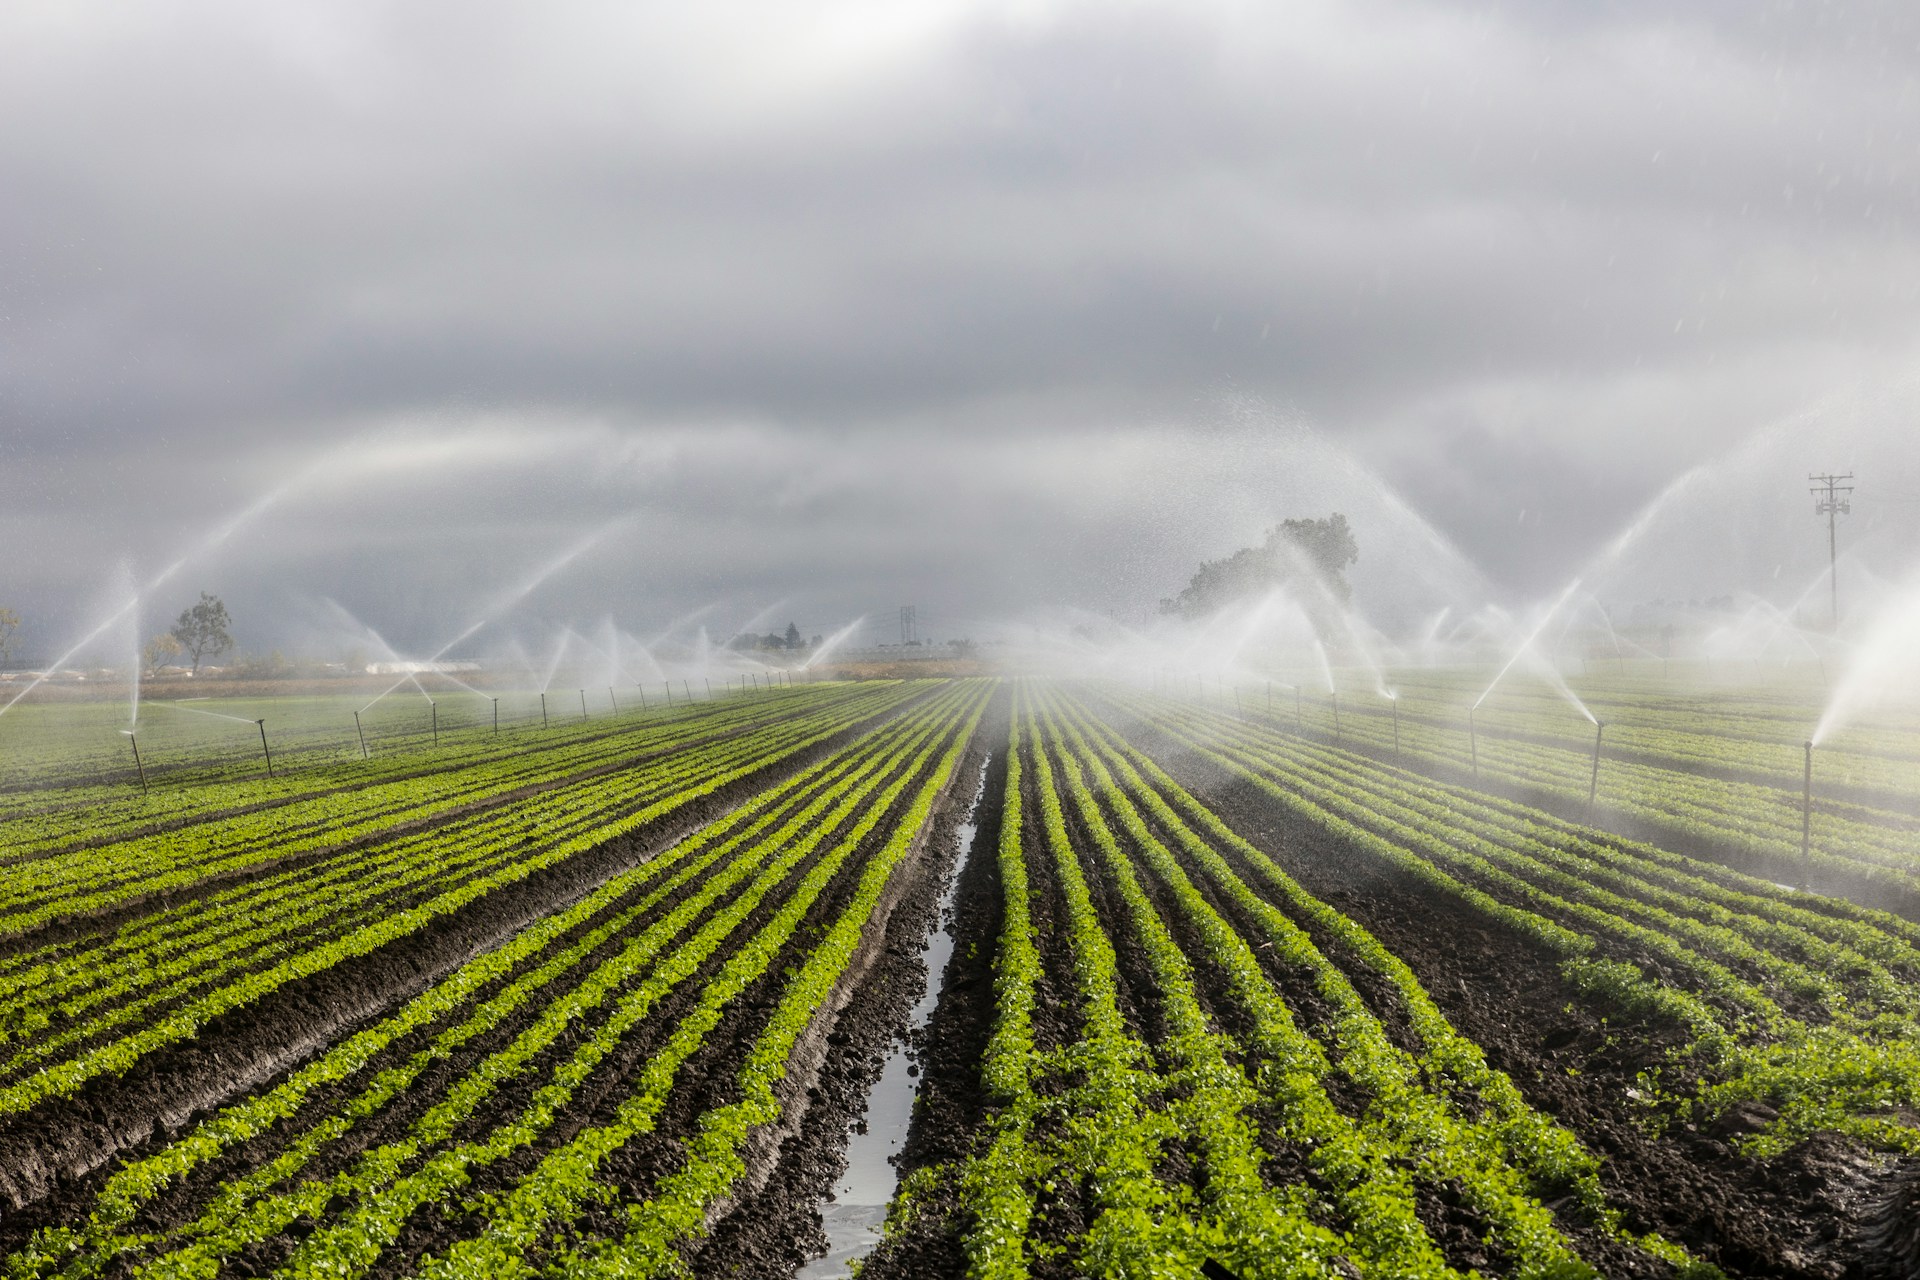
(709, 683)
(435, 708)
(1806, 821)
(362, 733)
(543, 708)
(496, 715)
(264, 750)
(1396, 728)
(139, 768)
(1473, 743)
(1334, 698)
(668, 686)
(643, 694)
(613, 701)
(1593, 786)
(687, 691)
(583, 704)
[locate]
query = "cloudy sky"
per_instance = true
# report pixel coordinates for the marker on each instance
(991, 307)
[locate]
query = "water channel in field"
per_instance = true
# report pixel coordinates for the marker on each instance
(857, 1206)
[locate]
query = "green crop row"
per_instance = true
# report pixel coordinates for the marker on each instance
(1848, 1059)
(145, 973)
(379, 1185)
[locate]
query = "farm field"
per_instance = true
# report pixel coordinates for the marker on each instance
(1225, 997)
(1687, 761)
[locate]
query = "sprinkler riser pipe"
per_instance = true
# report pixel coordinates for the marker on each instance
(264, 750)
(139, 768)
(583, 704)
(1473, 744)
(435, 708)
(1806, 821)
(362, 735)
(543, 710)
(1593, 785)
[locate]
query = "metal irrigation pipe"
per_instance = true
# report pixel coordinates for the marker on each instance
(1593, 786)
(1806, 821)
(139, 768)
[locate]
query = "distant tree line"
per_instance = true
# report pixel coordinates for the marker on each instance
(1293, 551)
(747, 641)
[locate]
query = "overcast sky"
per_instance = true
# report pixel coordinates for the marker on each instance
(995, 308)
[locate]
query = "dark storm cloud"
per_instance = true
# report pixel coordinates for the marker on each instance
(1553, 252)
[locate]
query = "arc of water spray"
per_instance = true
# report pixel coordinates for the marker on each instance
(1526, 647)
(833, 642)
(219, 535)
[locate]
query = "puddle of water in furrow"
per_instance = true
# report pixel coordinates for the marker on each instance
(857, 1206)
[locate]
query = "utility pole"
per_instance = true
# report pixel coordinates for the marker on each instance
(1828, 501)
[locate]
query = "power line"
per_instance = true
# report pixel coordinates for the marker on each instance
(1832, 506)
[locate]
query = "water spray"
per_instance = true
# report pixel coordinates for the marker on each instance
(1334, 698)
(139, 768)
(1593, 785)
(362, 733)
(264, 750)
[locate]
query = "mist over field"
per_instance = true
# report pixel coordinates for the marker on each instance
(1013, 312)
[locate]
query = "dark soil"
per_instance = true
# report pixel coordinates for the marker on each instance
(53, 1148)
(777, 1228)
(1795, 1215)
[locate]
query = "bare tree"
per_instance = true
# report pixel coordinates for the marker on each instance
(159, 651)
(202, 630)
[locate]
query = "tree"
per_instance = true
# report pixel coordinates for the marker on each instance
(160, 652)
(792, 637)
(202, 630)
(9, 626)
(1319, 550)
